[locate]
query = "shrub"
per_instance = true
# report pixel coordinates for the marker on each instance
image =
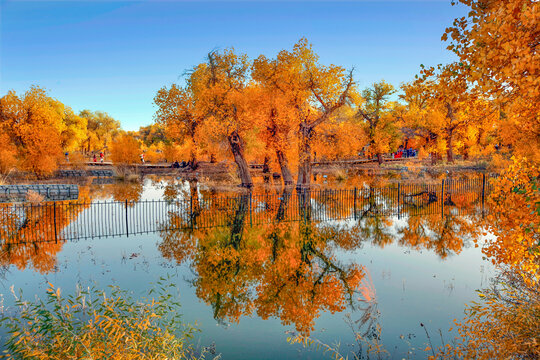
(92, 324)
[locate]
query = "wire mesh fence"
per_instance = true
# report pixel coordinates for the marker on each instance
(71, 220)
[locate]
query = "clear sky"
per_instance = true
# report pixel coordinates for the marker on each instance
(113, 56)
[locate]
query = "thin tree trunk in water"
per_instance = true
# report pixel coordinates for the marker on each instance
(237, 226)
(280, 216)
(284, 165)
(304, 204)
(195, 205)
(235, 239)
(304, 163)
(237, 148)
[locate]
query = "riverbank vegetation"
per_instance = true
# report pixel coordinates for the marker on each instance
(97, 324)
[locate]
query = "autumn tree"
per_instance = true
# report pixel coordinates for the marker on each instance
(153, 134)
(33, 123)
(341, 136)
(212, 109)
(275, 109)
(375, 110)
(453, 113)
(74, 134)
(101, 128)
(304, 95)
(8, 154)
(298, 95)
(327, 88)
(177, 113)
(497, 45)
(125, 149)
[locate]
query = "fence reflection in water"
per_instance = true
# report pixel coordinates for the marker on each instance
(59, 221)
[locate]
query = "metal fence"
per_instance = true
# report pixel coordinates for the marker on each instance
(68, 220)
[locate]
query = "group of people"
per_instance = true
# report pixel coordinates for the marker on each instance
(101, 157)
(404, 153)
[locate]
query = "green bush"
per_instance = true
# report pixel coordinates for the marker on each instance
(94, 324)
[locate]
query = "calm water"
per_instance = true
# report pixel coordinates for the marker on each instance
(247, 286)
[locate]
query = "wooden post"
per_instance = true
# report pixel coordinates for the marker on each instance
(355, 194)
(483, 192)
(250, 217)
(191, 210)
(442, 198)
(398, 198)
(54, 216)
(127, 224)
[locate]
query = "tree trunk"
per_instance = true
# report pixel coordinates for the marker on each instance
(285, 171)
(266, 170)
(449, 147)
(266, 166)
(192, 160)
(304, 163)
(450, 132)
(237, 148)
(380, 159)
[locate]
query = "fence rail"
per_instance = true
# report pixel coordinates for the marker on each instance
(59, 221)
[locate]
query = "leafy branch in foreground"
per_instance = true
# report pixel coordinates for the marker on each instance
(97, 324)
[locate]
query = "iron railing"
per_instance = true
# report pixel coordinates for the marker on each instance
(71, 220)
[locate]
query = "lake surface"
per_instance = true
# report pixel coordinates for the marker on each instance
(275, 268)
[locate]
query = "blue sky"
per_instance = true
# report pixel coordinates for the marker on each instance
(113, 56)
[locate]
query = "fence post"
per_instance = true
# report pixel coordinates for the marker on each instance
(483, 192)
(250, 217)
(191, 209)
(54, 216)
(442, 198)
(398, 198)
(355, 195)
(127, 223)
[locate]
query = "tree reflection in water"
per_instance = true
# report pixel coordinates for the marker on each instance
(290, 270)
(283, 269)
(23, 229)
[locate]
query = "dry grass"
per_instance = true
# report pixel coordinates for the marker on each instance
(124, 173)
(34, 197)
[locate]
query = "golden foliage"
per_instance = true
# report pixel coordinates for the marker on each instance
(515, 219)
(125, 149)
(33, 123)
(497, 44)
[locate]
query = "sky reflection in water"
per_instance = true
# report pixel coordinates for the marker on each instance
(247, 285)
